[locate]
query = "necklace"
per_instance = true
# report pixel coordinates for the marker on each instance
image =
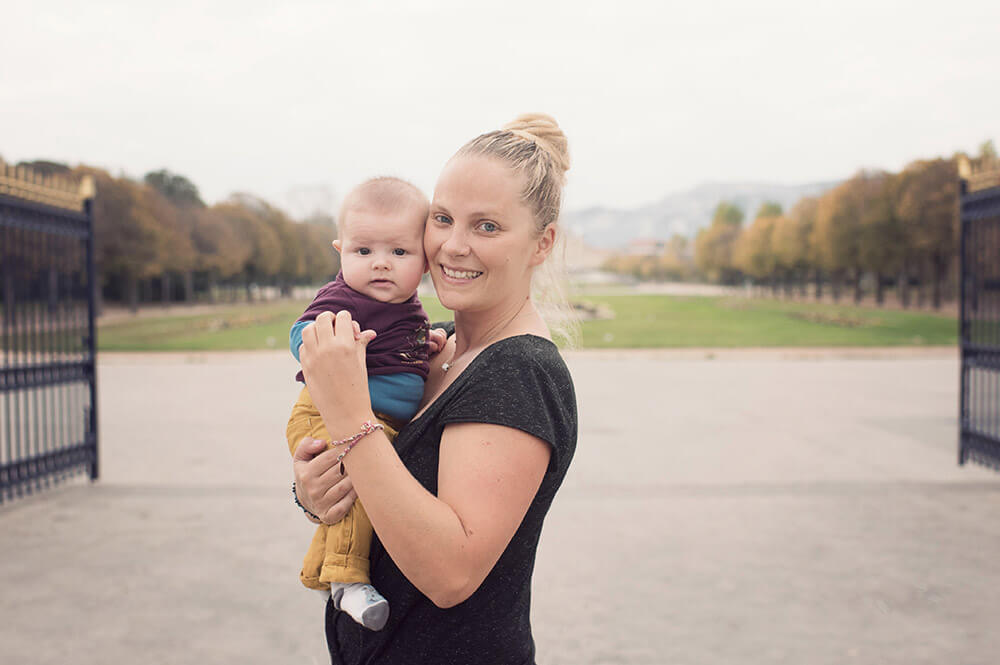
(447, 365)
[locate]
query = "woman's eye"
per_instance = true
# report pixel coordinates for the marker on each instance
(399, 251)
(489, 227)
(442, 219)
(364, 251)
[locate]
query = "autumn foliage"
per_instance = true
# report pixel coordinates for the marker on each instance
(156, 240)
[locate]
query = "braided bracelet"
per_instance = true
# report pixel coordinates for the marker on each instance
(367, 427)
(308, 512)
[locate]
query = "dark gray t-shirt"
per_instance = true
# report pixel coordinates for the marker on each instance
(520, 382)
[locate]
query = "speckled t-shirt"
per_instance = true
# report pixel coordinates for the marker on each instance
(519, 382)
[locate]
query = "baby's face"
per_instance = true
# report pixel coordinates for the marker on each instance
(382, 253)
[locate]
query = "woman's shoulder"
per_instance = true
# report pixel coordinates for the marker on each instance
(521, 382)
(524, 376)
(524, 354)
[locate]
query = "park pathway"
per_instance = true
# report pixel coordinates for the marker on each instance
(752, 508)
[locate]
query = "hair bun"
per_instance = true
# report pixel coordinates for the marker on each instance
(544, 131)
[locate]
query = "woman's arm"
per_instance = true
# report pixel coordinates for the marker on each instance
(487, 477)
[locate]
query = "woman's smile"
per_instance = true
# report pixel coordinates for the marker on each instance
(454, 274)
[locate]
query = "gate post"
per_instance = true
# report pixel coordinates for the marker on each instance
(92, 286)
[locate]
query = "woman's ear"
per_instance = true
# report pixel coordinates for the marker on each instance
(546, 241)
(336, 245)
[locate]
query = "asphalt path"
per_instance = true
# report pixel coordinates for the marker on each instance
(730, 507)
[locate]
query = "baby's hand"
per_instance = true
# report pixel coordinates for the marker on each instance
(436, 339)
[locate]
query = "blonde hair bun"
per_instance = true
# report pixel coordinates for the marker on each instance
(543, 130)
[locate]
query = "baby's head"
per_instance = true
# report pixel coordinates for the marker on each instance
(381, 239)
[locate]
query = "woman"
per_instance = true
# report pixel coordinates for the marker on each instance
(458, 504)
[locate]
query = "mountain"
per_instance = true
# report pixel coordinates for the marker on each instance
(682, 212)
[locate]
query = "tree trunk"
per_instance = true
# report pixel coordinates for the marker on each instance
(818, 291)
(132, 293)
(835, 287)
(857, 287)
(939, 271)
(879, 289)
(903, 288)
(189, 286)
(803, 280)
(213, 286)
(165, 288)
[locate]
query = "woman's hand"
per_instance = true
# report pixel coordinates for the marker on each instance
(333, 363)
(318, 483)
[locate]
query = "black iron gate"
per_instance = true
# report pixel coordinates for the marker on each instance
(980, 322)
(48, 414)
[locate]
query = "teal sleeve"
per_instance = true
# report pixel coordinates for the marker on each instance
(295, 337)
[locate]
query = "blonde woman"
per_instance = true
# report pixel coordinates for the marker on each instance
(458, 503)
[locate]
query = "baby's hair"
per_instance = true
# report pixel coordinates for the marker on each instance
(384, 193)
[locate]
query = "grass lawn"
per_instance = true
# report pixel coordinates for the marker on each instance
(640, 321)
(229, 328)
(652, 321)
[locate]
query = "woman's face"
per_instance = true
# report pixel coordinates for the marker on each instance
(481, 241)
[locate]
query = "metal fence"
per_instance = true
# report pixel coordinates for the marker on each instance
(980, 322)
(48, 414)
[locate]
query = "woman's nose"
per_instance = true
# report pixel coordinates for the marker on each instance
(455, 244)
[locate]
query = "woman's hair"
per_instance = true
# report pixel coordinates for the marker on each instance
(534, 147)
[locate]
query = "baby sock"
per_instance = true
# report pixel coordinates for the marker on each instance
(362, 602)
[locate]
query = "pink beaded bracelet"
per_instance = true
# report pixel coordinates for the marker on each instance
(367, 427)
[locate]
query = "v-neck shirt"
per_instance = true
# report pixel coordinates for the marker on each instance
(519, 382)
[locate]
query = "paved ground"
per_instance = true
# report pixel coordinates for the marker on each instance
(742, 508)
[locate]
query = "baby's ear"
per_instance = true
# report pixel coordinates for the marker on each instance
(336, 245)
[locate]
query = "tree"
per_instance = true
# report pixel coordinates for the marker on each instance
(713, 246)
(793, 253)
(130, 242)
(927, 207)
(881, 244)
(246, 216)
(175, 187)
(320, 260)
(987, 150)
(837, 233)
(769, 209)
(753, 252)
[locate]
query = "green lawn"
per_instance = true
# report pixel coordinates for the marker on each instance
(231, 328)
(653, 321)
(640, 321)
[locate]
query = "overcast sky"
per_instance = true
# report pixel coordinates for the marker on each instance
(654, 96)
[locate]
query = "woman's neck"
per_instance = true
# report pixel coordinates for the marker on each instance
(477, 330)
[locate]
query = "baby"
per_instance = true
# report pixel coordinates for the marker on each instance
(382, 259)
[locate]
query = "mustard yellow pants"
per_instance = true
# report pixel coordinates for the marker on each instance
(338, 552)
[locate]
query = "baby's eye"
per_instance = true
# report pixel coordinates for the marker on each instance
(364, 251)
(442, 219)
(489, 227)
(399, 251)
